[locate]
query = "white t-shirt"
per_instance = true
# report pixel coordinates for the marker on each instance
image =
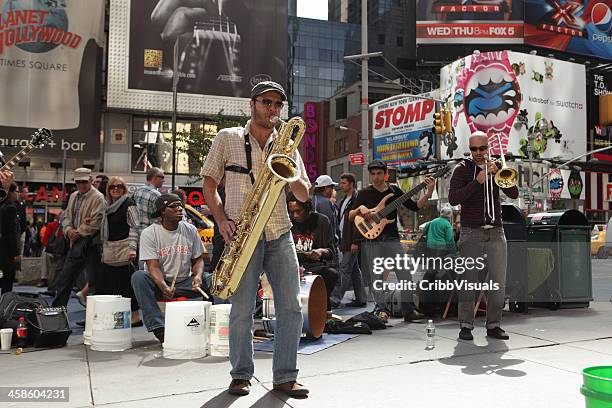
(173, 249)
(41, 49)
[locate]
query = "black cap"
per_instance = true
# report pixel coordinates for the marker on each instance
(377, 164)
(266, 86)
(164, 201)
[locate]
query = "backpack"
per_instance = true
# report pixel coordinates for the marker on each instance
(370, 319)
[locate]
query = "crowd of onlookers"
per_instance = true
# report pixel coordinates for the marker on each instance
(92, 245)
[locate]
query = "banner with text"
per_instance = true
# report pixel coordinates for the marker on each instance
(479, 21)
(50, 73)
(513, 95)
(403, 131)
(581, 27)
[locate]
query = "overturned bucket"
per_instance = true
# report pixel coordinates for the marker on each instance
(187, 330)
(89, 314)
(112, 325)
(219, 330)
(597, 387)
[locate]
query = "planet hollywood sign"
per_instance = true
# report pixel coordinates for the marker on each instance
(310, 140)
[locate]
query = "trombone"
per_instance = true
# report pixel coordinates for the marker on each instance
(506, 177)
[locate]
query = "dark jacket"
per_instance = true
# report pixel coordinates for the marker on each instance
(467, 191)
(347, 235)
(9, 231)
(323, 205)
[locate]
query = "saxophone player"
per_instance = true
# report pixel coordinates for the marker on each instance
(238, 154)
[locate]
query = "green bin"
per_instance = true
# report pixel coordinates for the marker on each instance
(597, 387)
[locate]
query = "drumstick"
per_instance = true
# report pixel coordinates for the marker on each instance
(202, 293)
(174, 279)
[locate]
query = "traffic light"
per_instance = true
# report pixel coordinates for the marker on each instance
(438, 123)
(447, 120)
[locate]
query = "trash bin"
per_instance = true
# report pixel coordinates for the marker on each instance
(515, 230)
(559, 259)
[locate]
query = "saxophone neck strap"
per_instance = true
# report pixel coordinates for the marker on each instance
(249, 168)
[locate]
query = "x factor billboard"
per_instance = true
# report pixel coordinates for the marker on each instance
(576, 26)
(469, 21)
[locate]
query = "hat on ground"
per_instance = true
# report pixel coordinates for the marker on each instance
(82, 174)
(324, 180)
(266, 86)
(377, 164)
(164, 201)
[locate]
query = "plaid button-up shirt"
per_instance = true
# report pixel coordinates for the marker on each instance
(228, 150)
(145, 197)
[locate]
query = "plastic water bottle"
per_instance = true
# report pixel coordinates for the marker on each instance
(430, 330)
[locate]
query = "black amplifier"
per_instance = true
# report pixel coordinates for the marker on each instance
(52, 327)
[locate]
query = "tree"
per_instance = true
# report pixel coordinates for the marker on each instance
(197, 142)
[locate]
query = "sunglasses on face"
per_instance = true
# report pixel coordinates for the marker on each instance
(268, 103)
(116, 187)
(161, 177)
(479, 148)
(175, 205)
(81, 182)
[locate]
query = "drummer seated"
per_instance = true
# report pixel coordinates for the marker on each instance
(314, 242)
(172, 253)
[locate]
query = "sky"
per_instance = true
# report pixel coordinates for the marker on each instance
(316, 9)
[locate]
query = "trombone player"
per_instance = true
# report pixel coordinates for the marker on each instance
(482, 235)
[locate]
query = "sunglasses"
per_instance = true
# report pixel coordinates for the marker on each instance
(268, 103)
(81, 181)
(480, 148)
(161, 177)
(175, 205)
(116, 187)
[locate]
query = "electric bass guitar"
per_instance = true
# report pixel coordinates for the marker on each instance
(372, 228)
(39, 138)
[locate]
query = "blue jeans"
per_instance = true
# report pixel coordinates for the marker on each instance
(148, 294)
(349, 272)
(279, 261)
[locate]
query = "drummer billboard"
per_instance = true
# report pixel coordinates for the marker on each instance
(403, 131)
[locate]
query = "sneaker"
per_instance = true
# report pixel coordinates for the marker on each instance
(159, 334)
(239, 387)
(292, 389)
(414, 316)
(465, 334)
(497, 333)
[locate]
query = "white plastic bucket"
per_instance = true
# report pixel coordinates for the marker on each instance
(112, 325)
(219, 330)
(89, 314)
(187, 328)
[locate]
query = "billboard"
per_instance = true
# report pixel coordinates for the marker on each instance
(600, 119)
(575, 26)
(224, 48)
(513, 95)
(477, 21)
(50, 64)
(402, 131)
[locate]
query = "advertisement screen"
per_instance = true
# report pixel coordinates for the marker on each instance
(511, 96)
(601, 113)
(403, 131)
(477, 21)
(224, 48)
(576, 26)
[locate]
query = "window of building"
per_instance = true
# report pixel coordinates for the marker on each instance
(400, 41)
(152, 144)
(381, 39)
(341, 108)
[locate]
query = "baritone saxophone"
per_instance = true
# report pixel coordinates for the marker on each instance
(279, 170)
